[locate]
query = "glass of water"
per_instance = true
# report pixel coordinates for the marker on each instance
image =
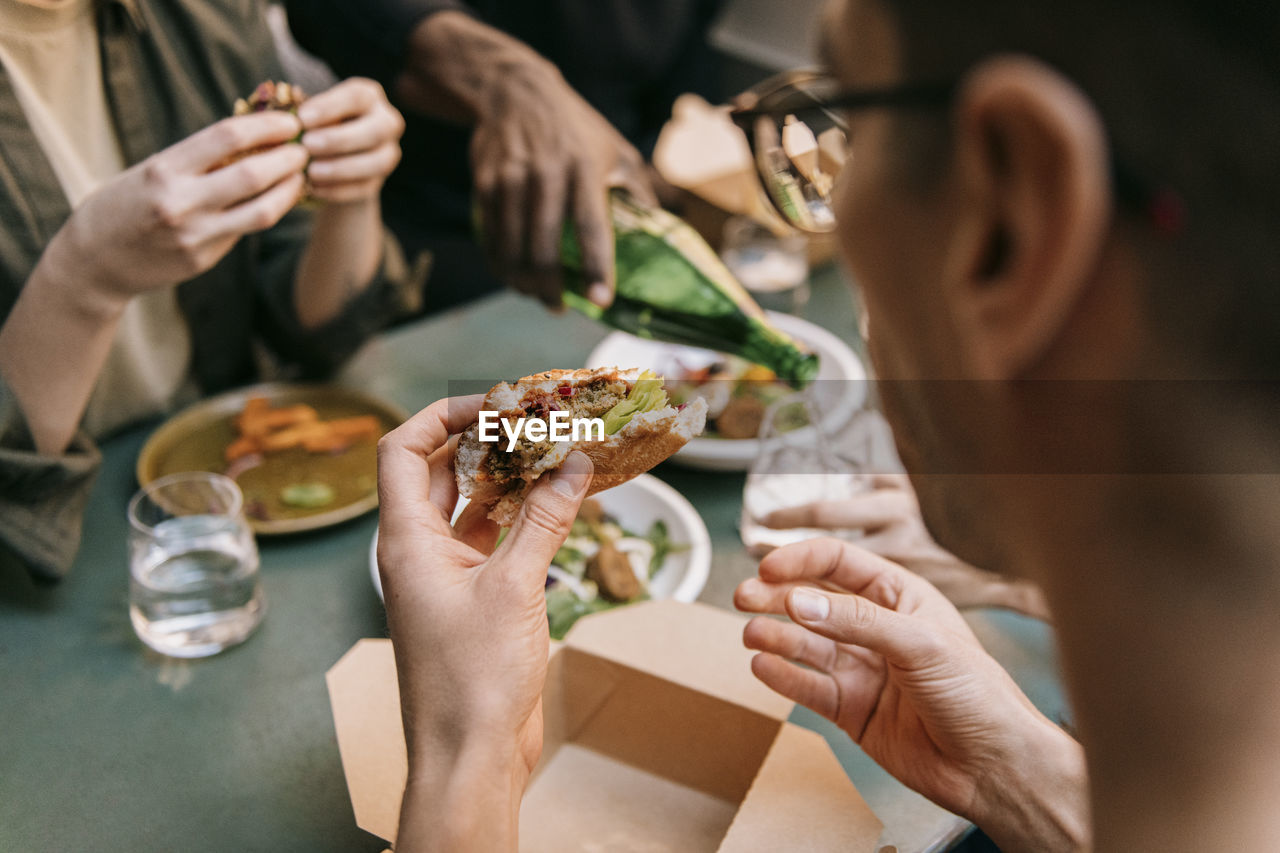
(798, 464)
(194, 586)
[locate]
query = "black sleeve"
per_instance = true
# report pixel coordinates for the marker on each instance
(368, 38)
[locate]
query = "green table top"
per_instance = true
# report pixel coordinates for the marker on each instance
(109, 746)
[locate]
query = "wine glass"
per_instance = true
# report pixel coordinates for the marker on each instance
(798, 464)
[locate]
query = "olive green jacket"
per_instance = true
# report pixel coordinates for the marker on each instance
(170, 68)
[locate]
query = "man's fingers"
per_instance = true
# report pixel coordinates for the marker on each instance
(251, 176)
(260, 212)
(475, 529)
(841, 565)
(903, 640)
(404, 472)
(511, 193)
(755, 596)
(549, 193)
(886, 480)
(547, 515)
(348, 99)
(594, 224)
(443, 486)
(816, 691)
(207, 148)
(360, 134)
(792, 642)
(866, 511)
(631, 174)
(376, 163)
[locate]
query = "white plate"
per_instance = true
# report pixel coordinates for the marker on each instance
(637, 504)
(836, 362)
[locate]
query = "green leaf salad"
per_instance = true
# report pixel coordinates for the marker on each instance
(574, 579)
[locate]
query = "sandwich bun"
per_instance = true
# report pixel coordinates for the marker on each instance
(649, 438)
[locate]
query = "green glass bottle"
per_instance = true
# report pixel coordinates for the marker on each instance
(671, 286)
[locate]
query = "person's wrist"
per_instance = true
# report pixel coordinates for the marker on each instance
(78, 281)
(349, 208)
(475, 66)
(468, 793)
(1036, 799)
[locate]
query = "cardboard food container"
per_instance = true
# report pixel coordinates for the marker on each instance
(657, 738)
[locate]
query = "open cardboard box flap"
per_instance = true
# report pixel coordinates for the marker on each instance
(657, 737)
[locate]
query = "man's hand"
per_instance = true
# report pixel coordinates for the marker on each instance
(540, 154)
(353, 136)
(885, 656)
(889, 515)
(177, 213)
(469, 626)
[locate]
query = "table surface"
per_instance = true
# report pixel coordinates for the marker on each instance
(109, 746)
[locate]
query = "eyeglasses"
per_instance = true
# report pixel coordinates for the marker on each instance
(799, 141)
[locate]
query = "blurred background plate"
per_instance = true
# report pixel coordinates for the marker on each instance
(196, 438)
(840, 389)
(637, 504)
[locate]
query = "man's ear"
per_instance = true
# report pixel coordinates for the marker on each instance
(1034, 208)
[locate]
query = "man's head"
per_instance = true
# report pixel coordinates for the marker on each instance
(1035, 227)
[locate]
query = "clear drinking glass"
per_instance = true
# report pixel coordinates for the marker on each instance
(194, 585)
(798, 464)
(774, 269)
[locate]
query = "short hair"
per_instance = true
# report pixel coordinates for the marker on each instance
(1189, 91)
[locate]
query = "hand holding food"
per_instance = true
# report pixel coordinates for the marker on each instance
(889, 515)
(467, 691)
(885, 656)
(353, 136)
(177, 213)
(503, 455)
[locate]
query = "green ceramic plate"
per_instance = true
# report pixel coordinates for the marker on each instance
(195, 439)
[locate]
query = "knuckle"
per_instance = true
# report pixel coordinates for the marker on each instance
(251, 175)
(367, 86)
(484, 184)
(549, 172)
(858, 613)
(188, 244)
(512, 175)
(156, 174)
(263, 217)
(167, 211)
(930, 644)
(388, 444)
(230, 134)
(823, 515)
(546, 516)
(392, 156)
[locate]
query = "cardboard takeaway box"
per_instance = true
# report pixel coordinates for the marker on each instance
(657, 738)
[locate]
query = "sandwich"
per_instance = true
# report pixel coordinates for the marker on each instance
(271, 96)
(637, 429)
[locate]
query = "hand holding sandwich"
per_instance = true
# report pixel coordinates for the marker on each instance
(469, 626)
(161, 222)
(177, 214)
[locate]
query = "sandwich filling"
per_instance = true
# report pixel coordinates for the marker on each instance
(610, 397)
